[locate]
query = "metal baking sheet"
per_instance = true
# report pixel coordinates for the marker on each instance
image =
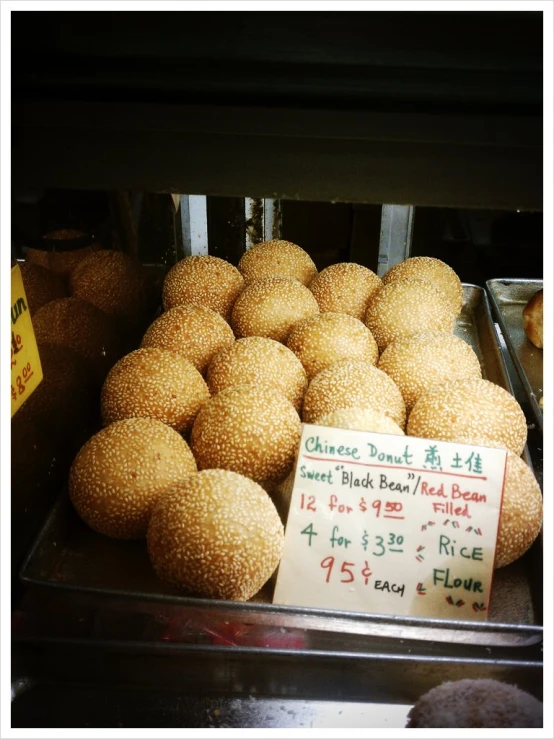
(69, 555)
(509, 297)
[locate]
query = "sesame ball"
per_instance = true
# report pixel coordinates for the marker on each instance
(154, 383)
(258, 360)
(474, 704)
(203, 280)
(408, 307)
(271, 307)
(277, 258)
(41, 286)
(360, 419)
(440, 274)
(472, 407)
(250, 429)
(324, 339)
(345, 287)
(75, 324)
(195, 332)
(216, 534)
(120, 473)
(115, 282)
(419, 362)
(353, 384)
(64, 260)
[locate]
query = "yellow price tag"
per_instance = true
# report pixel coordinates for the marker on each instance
(25, 361)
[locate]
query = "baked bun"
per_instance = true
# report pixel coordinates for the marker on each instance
(532, 319)
(216, 534)
(324, 339)
(203, 280)
(433, 270)
(257, 360)
(41, 286)
(277, 258)
(154, 383)
(195, 332)
(271, 307)
(345, 287)
(121, 472)
(476, 704)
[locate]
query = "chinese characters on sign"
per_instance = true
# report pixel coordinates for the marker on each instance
(391, 524)
(26, 371)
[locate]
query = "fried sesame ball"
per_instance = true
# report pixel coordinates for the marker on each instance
(476, 703)
(216, 534)
(41, 286)
(203, 280)
(250, 429)
(154, 383)
(345, 287)
(440, 274)
(277, 258)
(471, 407)
(360, 419)
(353, 384)
(407, 307)
(195, 332)
(416, 363)
(258, 360)
(115, 282)
(62, 262)
(75, 324)
(271, 307)
(324, 339)
(120, 473)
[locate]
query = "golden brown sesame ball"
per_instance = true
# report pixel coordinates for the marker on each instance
(41, 286)
(75, 324)
(416, 363)
(440, 274)
(195, 332)
(324, 339)
(345, 287)
(474, 704)
(277, 258)
(258, 360)
(271, 307)
(216, 534)
(115, 282)
(253, 430)
(203, 280)
(469, 407)
(154, 383)
(360, 419)
(63, 261)
(120, 473)
(408, 307)
(351, 384)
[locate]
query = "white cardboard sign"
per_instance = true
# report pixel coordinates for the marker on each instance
(391, 524)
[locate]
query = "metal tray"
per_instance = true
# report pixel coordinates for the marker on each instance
(69, 555)
(509, 297)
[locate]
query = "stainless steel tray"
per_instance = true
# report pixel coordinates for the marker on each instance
(69, 555)
(509, 297)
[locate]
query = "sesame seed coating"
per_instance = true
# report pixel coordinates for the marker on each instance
(360, 419)
(277, 258)
(416, 363)
(407, 307)
(440, 274)
(195, 332)
(120, 473)
(250, 429)
(271, 307)
(256, 359)
(41, 286)
(216, 534)
(351, 384)
(470, 407)
(345, 287)
(203, 280)
(154, 383)
(324, 339)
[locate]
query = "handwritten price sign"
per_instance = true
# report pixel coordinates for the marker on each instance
(26, 371)
(391, 524)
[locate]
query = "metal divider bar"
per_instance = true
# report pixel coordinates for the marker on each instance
(194, 224)
(395, 244)
(262, 220)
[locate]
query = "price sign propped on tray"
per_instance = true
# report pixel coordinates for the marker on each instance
(392, 524)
